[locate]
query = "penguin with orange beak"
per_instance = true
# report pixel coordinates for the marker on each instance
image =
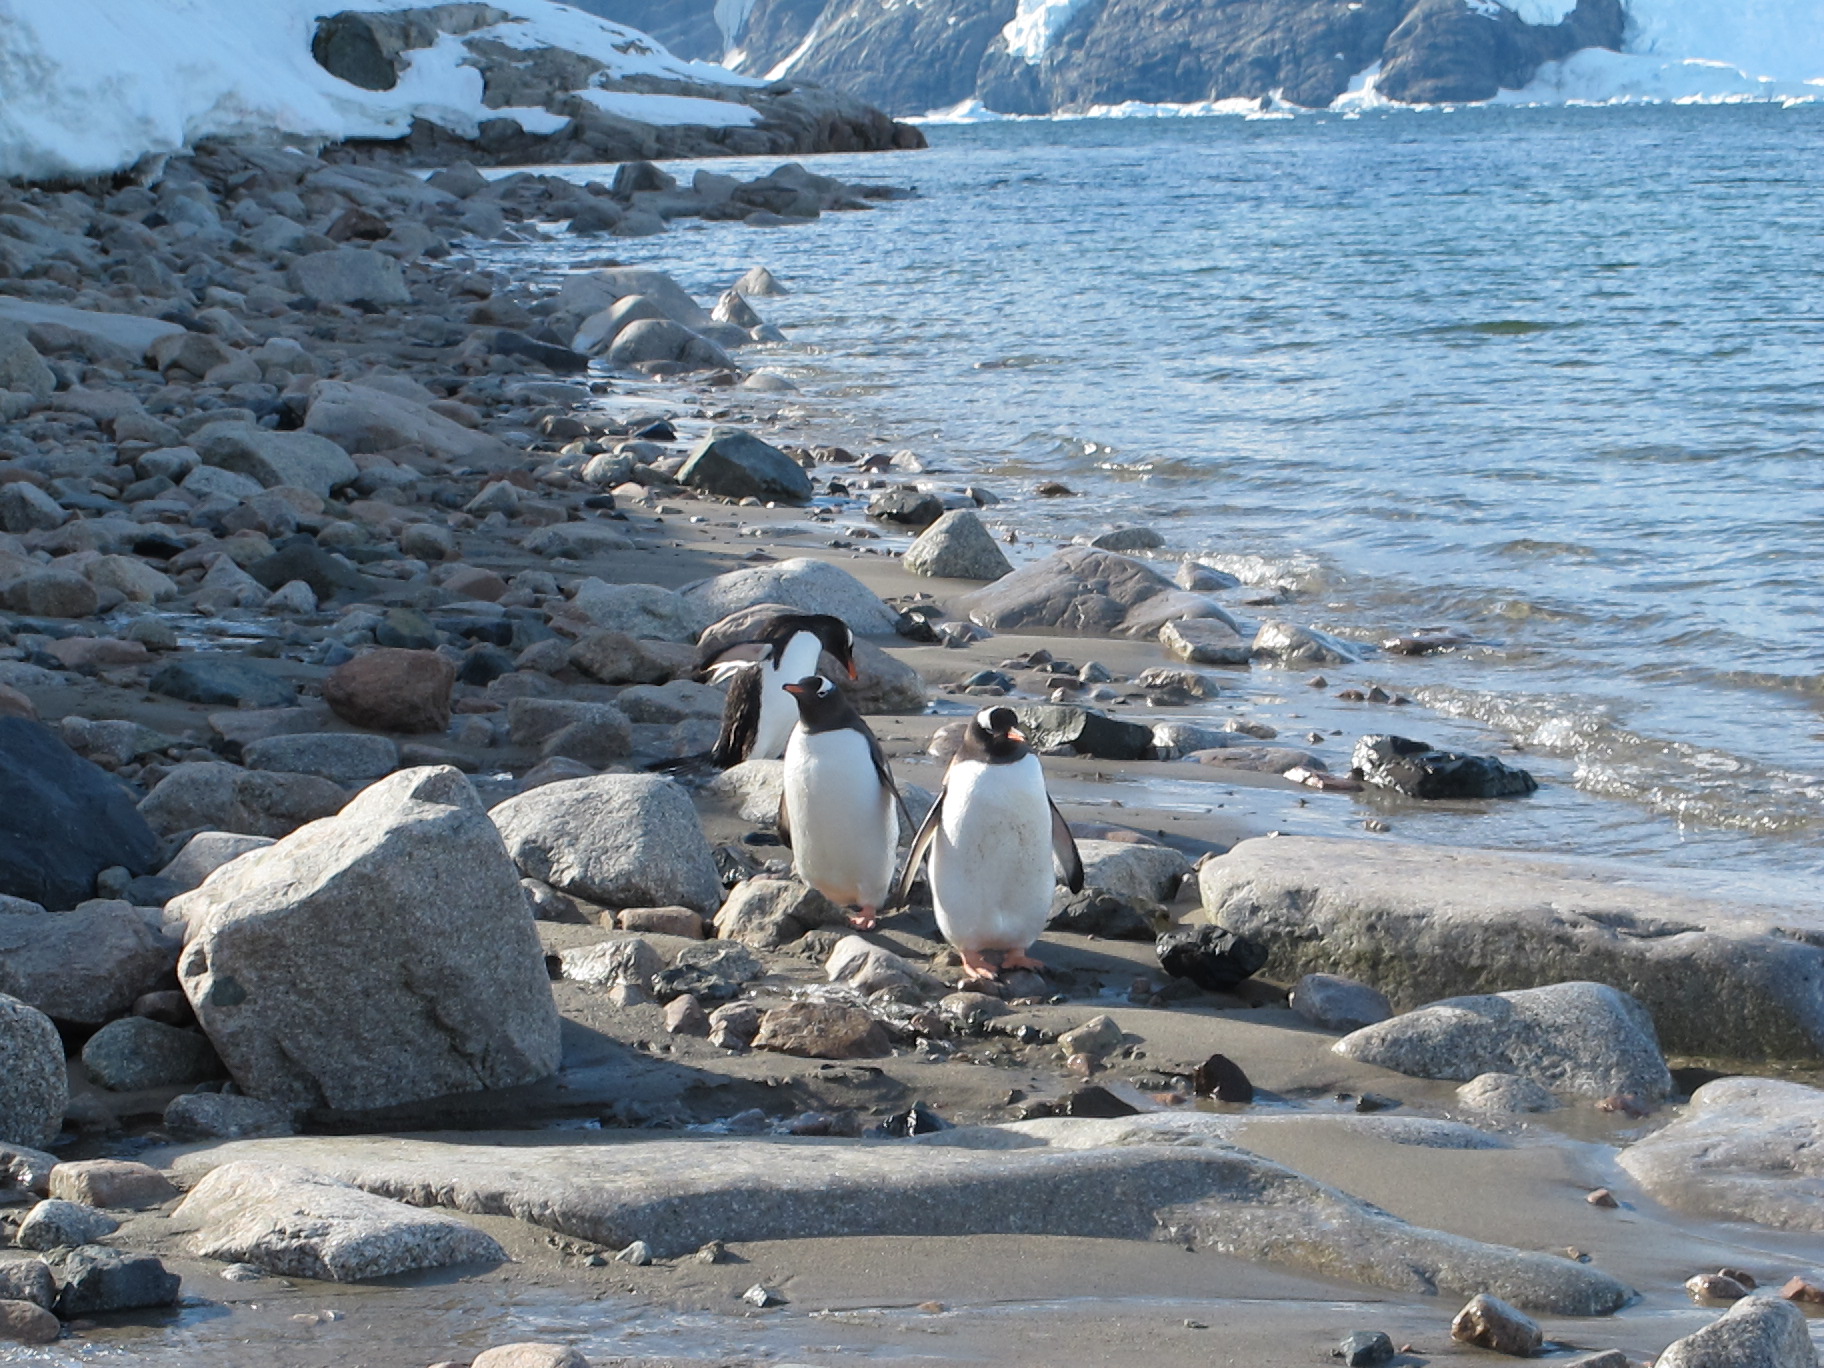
(992, 837)
(758, 718)
(839, 807)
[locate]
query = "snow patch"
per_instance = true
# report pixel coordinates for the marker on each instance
(670, 110)
(91, 88)
(810, 39)
(1036, 24)
(731, 20)
(1545, 13)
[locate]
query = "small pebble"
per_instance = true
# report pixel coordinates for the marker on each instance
(1602, 1197)
(761, 1295)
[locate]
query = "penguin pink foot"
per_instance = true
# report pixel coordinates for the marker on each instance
(1019, 959)
(862, 918)
(975, 968)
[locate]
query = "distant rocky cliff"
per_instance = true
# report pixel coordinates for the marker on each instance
(1048, 56)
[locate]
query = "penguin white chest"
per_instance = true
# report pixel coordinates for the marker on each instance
(845, 828)
(778, 709)
(991, 874)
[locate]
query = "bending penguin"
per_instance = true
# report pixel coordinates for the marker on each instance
(992, 836)
(839, 811)
(758, 718)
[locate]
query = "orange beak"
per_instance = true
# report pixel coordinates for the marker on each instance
(1015, 734)
(853, 672)
(796, 690)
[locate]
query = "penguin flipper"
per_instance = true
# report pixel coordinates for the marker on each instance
(785, 823)
(740, 718)
(1064, 848)
(884, 772)
(921, 846)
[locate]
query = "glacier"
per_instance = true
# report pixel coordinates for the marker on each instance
(92, 88)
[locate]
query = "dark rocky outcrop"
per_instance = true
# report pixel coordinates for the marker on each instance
(914, 58)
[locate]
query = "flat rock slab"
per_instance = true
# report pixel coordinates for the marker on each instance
(298, 1223)
(1139, 1183)
(1748, 1149)
(1421, 923)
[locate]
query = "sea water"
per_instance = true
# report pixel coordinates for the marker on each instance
(1551, 377)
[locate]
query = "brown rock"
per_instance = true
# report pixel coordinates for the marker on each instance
(116, 1183)
(15, 704)
(98, 652)
(472, 582)
(1800, 1290)
(733, 1025)
(822, 1030)
(1714, 1287)
(1602, 1197)
(24, 1323)
(393, 690)
(666, 921)
(684, 1015)
(1747, 1280)
(1490, 1323)
(1222, 1078)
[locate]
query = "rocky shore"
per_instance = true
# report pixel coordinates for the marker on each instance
(382, 981)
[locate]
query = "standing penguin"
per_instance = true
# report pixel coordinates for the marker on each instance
(839, 811)
(758, 718)
(992, 836)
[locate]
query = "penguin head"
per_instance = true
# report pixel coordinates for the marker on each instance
(820, 702)
(1000, 735)
(831, 632)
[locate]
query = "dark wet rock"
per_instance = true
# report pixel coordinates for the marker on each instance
(618, 840)
(28, 1280)
(822, 1030)
(301, 559)
(94, 1279)
(907, 507)
(223, 682)
(1293, 646)
(1418, 770)
(62, 820)
(737, 465)
(135, 1053)
(1212, 957)
(58, 1224)
(1048, 725)
(1222, 1078)
(393, 690)
(562, 360)
(1715, 1287)
(1364, 1349)
(34, 1089)
(1490, 1323)
(400, 919)
(1584, 1038)
(296, 1223)
(1338, 1004)
(1098, 912)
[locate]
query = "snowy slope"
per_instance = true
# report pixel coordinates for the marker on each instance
(91, 87)
(1697, 50)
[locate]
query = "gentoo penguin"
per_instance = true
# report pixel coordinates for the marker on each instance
(758, 718)
(992, 835)
(839, 811)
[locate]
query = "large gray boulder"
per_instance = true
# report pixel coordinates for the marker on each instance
(360, 418)
(84, 966)
(34, 1089)
(297, 1223)
(1080, 589)
(583, 295)
(801, 584)
(733, 464)
(136, 1052)
(957, 546)
(1420, 923)
(1133, 871)
(618, 840)
(1106, 1180)
(1582, 1038)
(1757, 1332)
(349, 275)
(341, 757)
(62, 819)
(1746, 1149)
(302, 460)
(383, 955)
(659, 339)
(224, 797)
(645, 611)
(22, 370)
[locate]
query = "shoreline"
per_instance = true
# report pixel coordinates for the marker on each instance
(417, 528)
